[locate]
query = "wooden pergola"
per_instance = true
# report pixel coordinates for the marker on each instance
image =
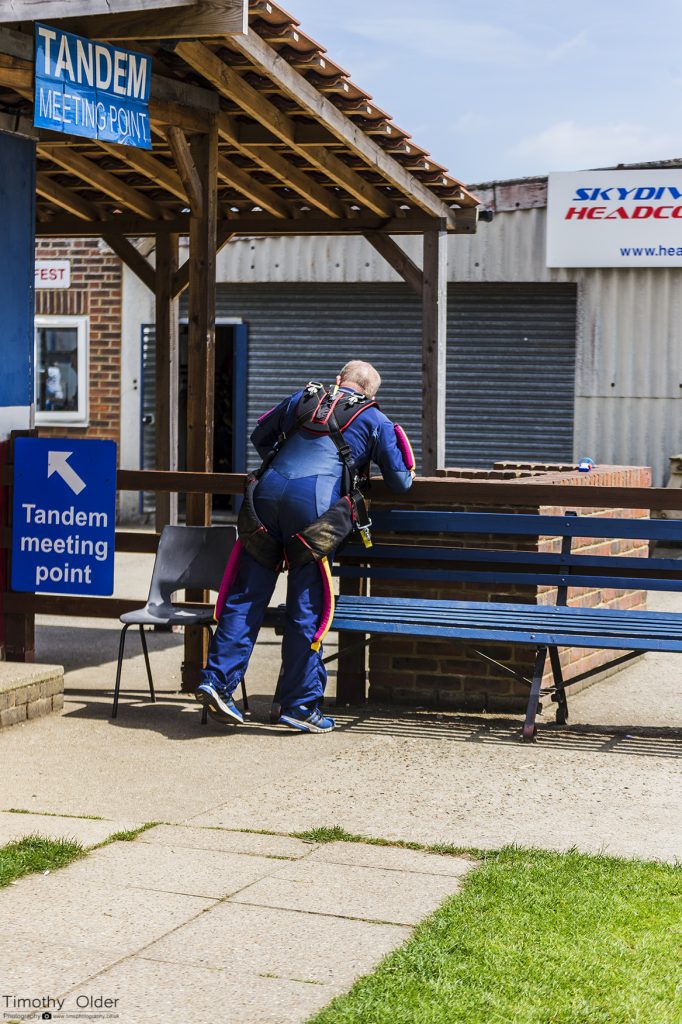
(256, 131)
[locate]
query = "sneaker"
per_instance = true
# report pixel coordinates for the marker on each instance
(305, 720)
(219, 705)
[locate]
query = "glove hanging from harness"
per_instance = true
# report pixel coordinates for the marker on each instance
(319, 413)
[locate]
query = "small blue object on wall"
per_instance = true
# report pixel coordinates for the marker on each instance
(585, 465)
(92, 89)
(64, 516)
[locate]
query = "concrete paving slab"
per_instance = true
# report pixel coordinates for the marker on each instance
(117, 920)
(152, 993)
(44, 964)
(208, 873)
(472, 783)
(230, 842)
(82, 830)
(252, 941)
(391, 858)
(368, 894)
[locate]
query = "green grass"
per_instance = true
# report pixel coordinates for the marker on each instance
(535, 938)
(35, 853)
(126, 837)
(337, 834)
(53, 814)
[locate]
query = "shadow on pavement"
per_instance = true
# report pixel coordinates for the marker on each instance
(177, 716)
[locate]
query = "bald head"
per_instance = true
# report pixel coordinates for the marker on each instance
(360, 375)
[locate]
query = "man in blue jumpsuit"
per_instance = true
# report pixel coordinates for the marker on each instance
(302, 482)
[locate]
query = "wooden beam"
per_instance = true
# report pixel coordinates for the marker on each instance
(311, 100)
(201, 320)
(281, 168)
(150, 167)
(46, 10)
(297, 180)
(167, 373)
(201, 364)
(118, 224)
(133, 259)
(246, 184)
(181, 276)
(184, 162)
(243, 224)
(66, 198)
(106, 182)
(230, 83)
(207, 19)
(365, 193)
(398, 259)
(434, 349)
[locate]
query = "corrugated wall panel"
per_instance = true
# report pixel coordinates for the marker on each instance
(511, 358)
(629, 335)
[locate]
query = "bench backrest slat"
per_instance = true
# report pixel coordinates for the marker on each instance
(408, 521)
(542, 579)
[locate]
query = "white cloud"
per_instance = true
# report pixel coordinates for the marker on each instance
(568, 46)
(567, 146)
(450, 39)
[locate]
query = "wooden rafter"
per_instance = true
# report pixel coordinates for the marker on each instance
(245, 183)
(230, 83)
(184, 162)
(283, 169)
(310, 99)
(89, 171)
(66, 198)
(181, 277)
(149, 166)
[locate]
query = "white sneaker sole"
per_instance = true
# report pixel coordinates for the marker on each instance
(216, 705)
(296, 723)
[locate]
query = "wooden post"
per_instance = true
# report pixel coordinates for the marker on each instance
(201, 363)
(166, 412)
(434, 348)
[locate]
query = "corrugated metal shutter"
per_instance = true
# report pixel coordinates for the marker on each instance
(511, 373)
(511, 358)
(303, 332)
(148, 428)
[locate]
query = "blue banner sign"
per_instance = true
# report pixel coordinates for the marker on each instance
(88, 88)
(64, 516)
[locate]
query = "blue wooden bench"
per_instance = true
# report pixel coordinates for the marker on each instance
(544, 627)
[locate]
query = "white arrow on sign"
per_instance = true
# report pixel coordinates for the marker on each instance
(57, 463)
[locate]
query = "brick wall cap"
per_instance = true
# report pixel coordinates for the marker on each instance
(14, 675)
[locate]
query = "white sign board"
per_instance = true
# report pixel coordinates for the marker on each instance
(53, 274)
(615, 219)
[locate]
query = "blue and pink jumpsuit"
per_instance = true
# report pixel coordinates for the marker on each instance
(304, 481)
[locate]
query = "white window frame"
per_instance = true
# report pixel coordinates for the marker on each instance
(79, 417)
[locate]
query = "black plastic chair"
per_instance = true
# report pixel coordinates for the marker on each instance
(188, 557)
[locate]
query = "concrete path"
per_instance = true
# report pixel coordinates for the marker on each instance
(192, 925)
(179, 923)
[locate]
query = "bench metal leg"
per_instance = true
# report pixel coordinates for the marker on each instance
(117, 687)
(146, 661)
(560, 688)
(529, 726)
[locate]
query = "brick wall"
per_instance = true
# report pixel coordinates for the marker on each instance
(447, 674)
(95, 292)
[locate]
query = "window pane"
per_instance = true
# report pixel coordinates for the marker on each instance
(57, 369)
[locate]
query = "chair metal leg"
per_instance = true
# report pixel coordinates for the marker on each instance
(529, 726)
(560, 691)
(245, 699)
(204, 709)
(146, 661)
(121, 647)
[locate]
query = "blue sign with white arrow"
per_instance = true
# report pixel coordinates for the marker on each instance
(64, 516)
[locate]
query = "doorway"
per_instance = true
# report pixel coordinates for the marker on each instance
(229, 408)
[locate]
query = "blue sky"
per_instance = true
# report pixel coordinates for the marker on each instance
(516, 88)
